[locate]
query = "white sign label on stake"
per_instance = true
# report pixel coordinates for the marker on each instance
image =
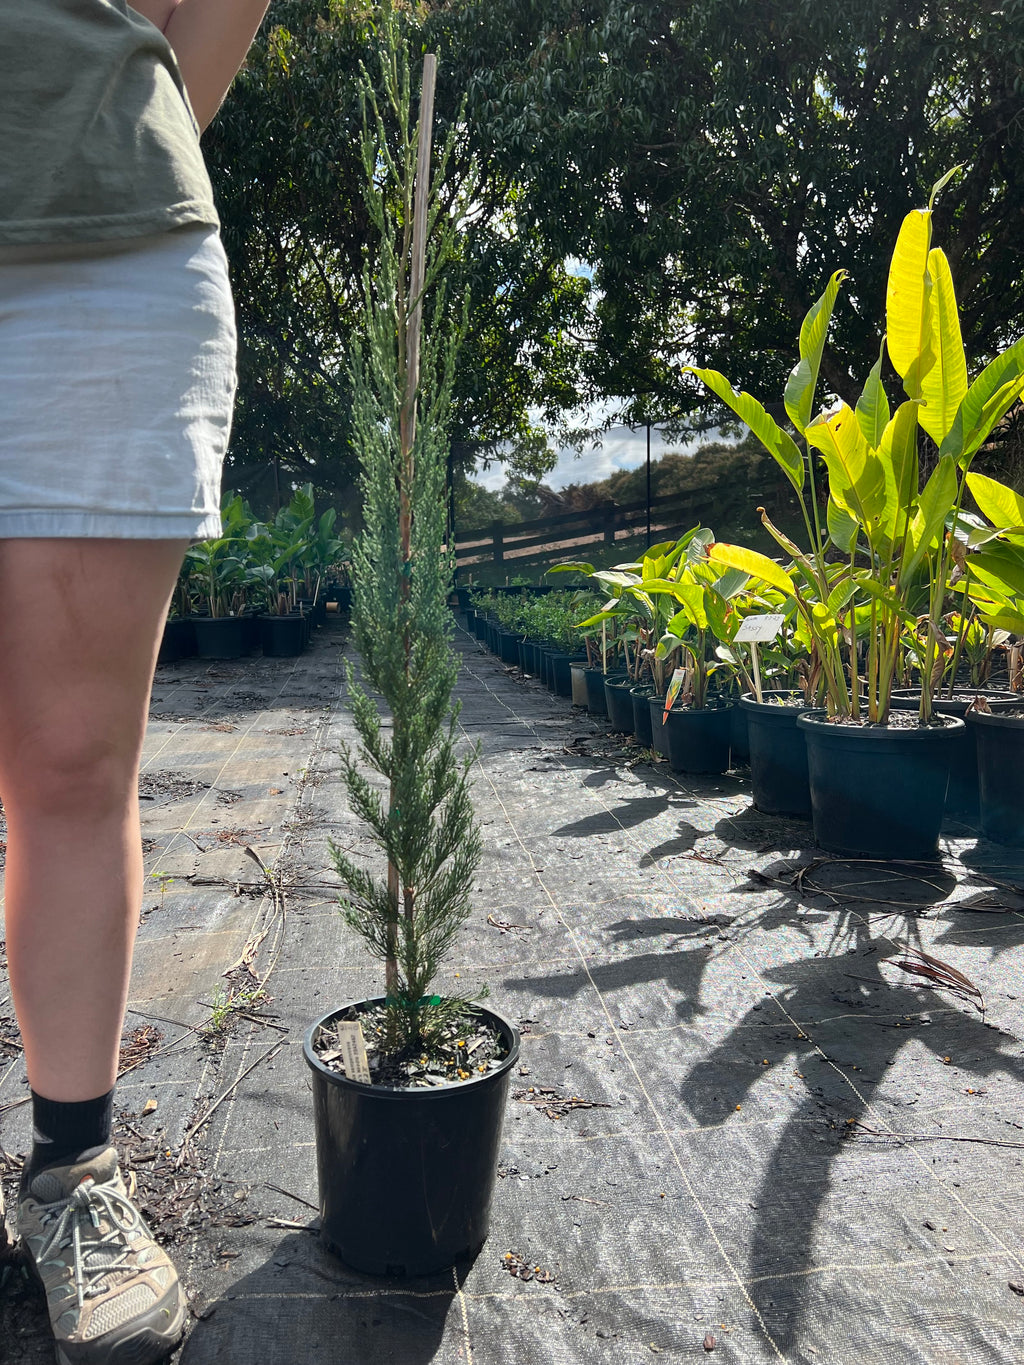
(353, 1051)
(759, 629)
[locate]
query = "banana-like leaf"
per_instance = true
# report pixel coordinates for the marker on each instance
(592, 621)
(842, 528)
(933, 505)
(613, 579)
(723, 620)
(1001, 568)
(571, 568)
(941, 184)
(779, 444)
(898, 454)
(732, 582)
(1000, 504)
(752, 563)
(972, 425)
(889, 598)
(908, 306)
(799, 395)
(873, 405)
(944, 385)
(856, 478)
(840, 595)
(693, 597)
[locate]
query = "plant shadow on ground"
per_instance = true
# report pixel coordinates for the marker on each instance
(303, 1305)
(842, 1021)
(847, 1025)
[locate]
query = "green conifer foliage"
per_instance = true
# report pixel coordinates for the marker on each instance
(421, 816)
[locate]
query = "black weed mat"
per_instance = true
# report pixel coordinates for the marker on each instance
(769, 1106)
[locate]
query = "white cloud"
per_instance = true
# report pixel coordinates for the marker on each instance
(619, 448)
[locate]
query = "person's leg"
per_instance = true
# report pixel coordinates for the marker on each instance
(80, 625)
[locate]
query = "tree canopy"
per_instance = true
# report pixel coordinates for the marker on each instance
(716, 160)
(707, 163)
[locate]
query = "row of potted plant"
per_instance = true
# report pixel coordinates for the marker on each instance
(262, 584)
(862, 663)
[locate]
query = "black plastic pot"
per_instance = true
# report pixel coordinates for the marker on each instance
(406, 1176)
(178, 641)
(877, 791)
(962, 792)
(640, 698)
(344, 599)
(1000, 748)
(778, 754)
(659, 735)
(561, 670)
(596, 703)
(283, 637)
(619, 704)
(507, 641)
(698, 741)
(739, 739)
(219, 637)
(251, 632)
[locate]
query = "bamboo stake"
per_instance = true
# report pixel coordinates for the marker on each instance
(406, 896)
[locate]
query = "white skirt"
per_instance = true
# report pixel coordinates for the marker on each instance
(117, 383)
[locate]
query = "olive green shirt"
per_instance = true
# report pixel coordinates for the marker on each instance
(97, 139)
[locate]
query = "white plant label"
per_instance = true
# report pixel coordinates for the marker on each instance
(353, 1051)
(758, 630)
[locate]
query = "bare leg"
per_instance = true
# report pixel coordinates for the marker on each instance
(80, 627)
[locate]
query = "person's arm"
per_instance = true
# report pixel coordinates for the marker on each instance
(210, 39)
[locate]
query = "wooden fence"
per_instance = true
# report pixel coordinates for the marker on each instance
(570, 532)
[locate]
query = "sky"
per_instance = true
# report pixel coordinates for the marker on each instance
(618, 448)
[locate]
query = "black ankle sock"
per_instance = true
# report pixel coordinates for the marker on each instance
(67, 1130)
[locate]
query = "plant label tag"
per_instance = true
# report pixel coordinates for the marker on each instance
(758, 630)
(353, 1051)
(673, 691)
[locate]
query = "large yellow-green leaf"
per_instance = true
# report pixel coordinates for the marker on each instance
(779, 444)
(1000, 567)
(856, 479)
(898, 453)
(750, 562)
(934, 504)
(1003, 507)
(873, 405)
(986, 402)
(799, 395)
(908, 323)
(944, 385)
(842, 528)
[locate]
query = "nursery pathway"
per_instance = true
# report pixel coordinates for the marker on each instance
(792, 1152)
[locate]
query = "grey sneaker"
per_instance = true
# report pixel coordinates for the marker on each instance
(112, 1293)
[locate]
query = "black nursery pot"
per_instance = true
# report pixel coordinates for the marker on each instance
(507, 642)
(778, 754)
(659, 731)
(618, 697)
(877, 791)
(178, 641)
(561, 671)
(739, 738)
(1000, 740)
(283, 637)
(597, 704)
(641, 700)
(962, 792)
(219, 637)
(406, 1176)
(699, 741)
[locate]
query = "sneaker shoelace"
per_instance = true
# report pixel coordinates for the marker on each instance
(88, 1202)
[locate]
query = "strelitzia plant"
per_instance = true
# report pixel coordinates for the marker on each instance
(891, 532)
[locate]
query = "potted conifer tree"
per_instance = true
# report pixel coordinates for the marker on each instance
(409, 1087)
